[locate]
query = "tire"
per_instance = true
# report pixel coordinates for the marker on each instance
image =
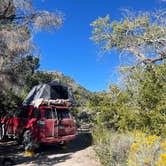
(2, 132)
(27, 141)
(19, 140)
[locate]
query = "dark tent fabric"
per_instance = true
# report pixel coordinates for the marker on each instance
(53, 90)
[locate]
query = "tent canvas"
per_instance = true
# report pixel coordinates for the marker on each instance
(51, 91)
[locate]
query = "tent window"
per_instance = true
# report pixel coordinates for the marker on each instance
(59, 92)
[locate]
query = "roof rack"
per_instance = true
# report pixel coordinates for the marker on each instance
(49, 102)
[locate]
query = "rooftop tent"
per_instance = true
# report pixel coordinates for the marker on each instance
(53, 90)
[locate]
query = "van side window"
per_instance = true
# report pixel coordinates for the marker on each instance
(48, 114)
(36, 113)
(24, 113)
(63, 114)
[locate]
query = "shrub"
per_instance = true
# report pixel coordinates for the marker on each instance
(111, 147)
(147, 150)
(131, 148)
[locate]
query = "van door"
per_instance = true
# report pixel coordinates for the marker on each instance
(66, 122)
(51, 127)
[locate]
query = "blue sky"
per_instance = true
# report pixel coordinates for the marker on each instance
(70, 51)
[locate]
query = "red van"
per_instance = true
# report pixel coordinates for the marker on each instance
(45, 124)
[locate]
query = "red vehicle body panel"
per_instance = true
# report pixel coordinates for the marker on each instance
(54, 125)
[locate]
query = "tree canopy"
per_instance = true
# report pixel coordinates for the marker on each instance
(141, 36)
(18, 21)
(140, 40)
(19, 55)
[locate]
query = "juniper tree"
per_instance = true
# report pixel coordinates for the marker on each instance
(141, 36)
(140, 41)
(19, 56)
(18, 21)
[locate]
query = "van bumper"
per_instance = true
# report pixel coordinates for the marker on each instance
(57, 139)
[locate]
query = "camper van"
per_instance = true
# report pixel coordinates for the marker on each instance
(45, 124)
(42, 120)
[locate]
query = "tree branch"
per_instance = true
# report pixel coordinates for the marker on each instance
(3, 16)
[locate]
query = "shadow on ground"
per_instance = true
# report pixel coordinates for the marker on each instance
(46, 154)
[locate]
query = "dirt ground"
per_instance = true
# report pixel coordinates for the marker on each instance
(79, 152)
